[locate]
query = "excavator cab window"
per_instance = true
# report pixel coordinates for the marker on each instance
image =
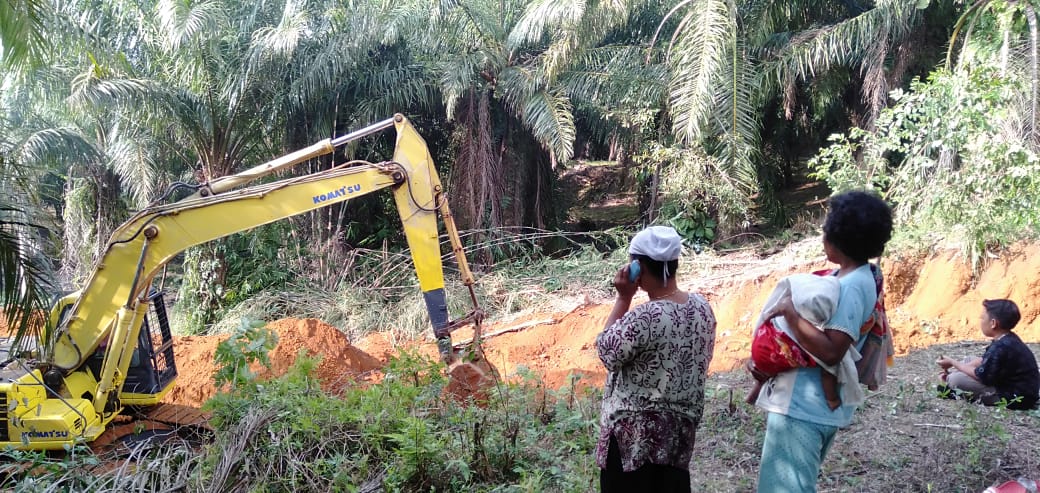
(152, 366)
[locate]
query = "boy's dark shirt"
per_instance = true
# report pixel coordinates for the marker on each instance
(1010, 367)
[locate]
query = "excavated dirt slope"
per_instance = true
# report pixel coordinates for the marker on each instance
(930, 301)
(341, 362)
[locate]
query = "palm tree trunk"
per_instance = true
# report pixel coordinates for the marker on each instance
(655, 189)
(1031, 19)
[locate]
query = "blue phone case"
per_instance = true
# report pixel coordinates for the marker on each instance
(633, 271)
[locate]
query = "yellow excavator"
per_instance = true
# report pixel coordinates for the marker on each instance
(110, 347)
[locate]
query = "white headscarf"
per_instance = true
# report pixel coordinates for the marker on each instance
(660, 243)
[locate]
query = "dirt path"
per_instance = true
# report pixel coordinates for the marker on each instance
(930, 301)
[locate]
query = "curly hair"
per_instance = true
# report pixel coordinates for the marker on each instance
(1005, 312)
(859, 224)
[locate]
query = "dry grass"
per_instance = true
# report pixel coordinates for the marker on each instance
(379, 292)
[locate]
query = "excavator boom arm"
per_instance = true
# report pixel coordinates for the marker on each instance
(142, 246)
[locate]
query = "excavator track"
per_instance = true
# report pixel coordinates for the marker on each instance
(155, 425)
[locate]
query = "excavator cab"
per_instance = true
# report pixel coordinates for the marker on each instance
(152, 367)
(155, 368)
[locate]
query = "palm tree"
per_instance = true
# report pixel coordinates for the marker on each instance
(729, 59)
(100, 155)
(512, 118)
(132, 74)
(516, 78)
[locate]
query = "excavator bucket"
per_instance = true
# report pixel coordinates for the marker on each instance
(470, 374)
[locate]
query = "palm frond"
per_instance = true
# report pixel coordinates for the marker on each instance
(615, 77)
(477, 23)
(409, 20)
(193, 118)
(22, 31)
(339, 51)
(550, 119)
(56, 145)
(131, 157)
(327, 69)
(1034, 79)
(282, 40)
(848, 43)
(457, 74)
(570, 26)
(23, 280)
(540, 15)
(697, 56)
(182, 21)
(875, 84)
(93, 89)
(560, 53)
(736, 119)
(1019, 67)
(383, 91)
(546, 112)
(766, 19)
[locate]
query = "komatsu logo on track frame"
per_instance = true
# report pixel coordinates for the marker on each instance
(339, 192)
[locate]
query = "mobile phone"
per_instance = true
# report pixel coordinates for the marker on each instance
(633, 271)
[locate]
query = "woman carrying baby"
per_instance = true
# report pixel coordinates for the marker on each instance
(801, 424)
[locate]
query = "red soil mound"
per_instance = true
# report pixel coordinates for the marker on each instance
(36, 321)
(195, 369)
(341, 362)
(339, 357)
(945, 301)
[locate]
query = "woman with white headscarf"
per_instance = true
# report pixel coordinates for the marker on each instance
(657, 357)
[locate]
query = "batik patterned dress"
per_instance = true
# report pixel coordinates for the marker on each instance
(657, 358)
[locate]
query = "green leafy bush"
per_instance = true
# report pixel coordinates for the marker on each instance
(951, 159)
(402, 434)
(249, 344)
(226, 272)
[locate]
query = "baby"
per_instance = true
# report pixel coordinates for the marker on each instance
(774, 348)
